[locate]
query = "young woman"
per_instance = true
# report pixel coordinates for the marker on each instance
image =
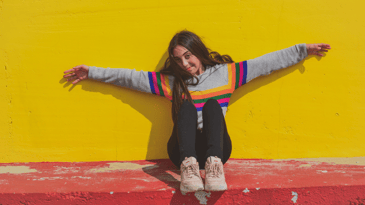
(199, 83)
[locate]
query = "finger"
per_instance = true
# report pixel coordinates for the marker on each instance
(76, 81)
(82, 77)
(324, 45)
(68, 75)
(72, 78)
(79, 66)
(319, 54)
(70, 70)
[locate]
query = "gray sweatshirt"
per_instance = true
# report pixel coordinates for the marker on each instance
(217, 82)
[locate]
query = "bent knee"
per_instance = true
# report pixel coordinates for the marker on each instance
(211, 104)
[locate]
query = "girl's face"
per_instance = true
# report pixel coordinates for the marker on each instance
(187, 61)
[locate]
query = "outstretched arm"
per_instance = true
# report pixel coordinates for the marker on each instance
(150, 82)
(265, 64)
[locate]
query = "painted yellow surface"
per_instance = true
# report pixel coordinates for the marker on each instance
(314, 109)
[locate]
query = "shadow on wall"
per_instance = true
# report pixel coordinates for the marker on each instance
(155, 108)
(158, 108)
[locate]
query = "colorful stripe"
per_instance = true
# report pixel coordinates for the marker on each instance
(244, 78)
(155, 83)
(237, 75)
(165, 87)
(150, 77)
(215, 97)
(158, 76)
(237, 68)
(159, 84)
(241, 73)
(225, 89)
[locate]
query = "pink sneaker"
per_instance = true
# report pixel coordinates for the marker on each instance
(190, 176)
(214, 175)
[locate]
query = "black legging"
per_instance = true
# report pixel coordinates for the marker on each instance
(187, 141)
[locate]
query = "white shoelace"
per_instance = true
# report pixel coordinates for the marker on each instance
(215, 169)
(190, 171)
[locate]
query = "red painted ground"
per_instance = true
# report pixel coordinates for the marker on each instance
(157, 182)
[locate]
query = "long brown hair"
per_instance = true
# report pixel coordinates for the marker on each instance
(194, 44)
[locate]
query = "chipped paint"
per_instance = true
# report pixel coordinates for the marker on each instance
(305, 165)
(268, 174)
(332, 160)
(295, 196)
(115, 166)
(16, 170)
(3, 181)
(47, 178)
(111, 192)
(201, 196)
(66, 170)
(80, 177)
(145, 180)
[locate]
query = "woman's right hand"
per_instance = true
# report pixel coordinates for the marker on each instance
(77, 73)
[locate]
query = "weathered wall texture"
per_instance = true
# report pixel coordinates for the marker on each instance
(313, 109)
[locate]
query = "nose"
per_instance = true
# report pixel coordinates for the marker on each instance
(185, 63)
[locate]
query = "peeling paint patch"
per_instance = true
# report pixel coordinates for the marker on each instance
(323, 171)
(16, 170)
(246, 190)
(48, 178)
(305, 165)
(65, 170)
(81, 177)
(295, 196)
(201, 196)
(145, 180)
(3, 181)
(111, 192)
(332, 160)
(257, 188)
(120, 165)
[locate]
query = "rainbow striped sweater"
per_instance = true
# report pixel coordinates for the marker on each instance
(217, 82)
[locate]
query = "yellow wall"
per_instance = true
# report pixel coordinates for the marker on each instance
(313, 109)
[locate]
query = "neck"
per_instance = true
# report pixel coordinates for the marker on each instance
(200, 71)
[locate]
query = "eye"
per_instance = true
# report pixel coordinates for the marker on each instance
(187, 56)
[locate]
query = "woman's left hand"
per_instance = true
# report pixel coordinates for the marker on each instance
(315, 49)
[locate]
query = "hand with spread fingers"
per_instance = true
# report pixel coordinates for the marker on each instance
(317, 48)
(77, 73)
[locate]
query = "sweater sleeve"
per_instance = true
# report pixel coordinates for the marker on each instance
(264, 65)
(150, 82)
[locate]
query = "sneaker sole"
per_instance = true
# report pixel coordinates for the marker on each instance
(190, 188)
(217, 187)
